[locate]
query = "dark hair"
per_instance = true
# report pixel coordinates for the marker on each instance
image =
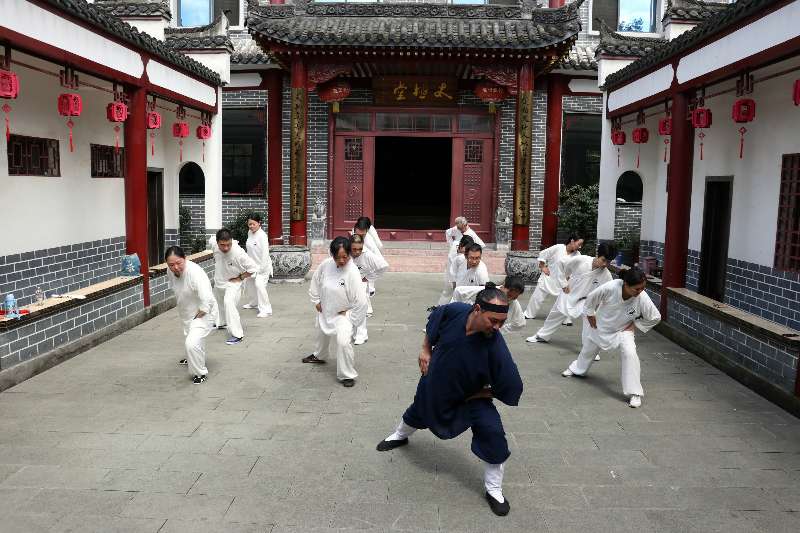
(632, 276)
(489, 293)
(474, 247)
(465, 241)
(356, 238)
(174, 250)
(255, 216)
(607, 250)
(340, 242)
(224, 235)
(363, 223)
(572, 237)
(514, 283)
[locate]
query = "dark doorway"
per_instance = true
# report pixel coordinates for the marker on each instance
(716, 230)
(580, 152)
(413, 182)
(155, 217)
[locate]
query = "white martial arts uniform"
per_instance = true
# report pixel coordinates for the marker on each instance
(515, 320)
(450, 274)
(370, 266)
(256, 286)
(228, 293)
(554, 283)
(582, 280)
(454, 234)
(613, 315)
(193, 294)
(471, 276)
(374, 234)
(338, 289)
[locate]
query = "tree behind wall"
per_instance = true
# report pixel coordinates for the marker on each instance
(577, 214)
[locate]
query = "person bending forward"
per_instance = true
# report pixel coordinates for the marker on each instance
(370, 267)
(232, 265)
(513, 286)
(551, 280)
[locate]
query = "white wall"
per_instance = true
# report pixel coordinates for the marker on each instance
(674, 29)
(152, 27)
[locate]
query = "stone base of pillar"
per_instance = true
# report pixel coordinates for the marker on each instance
(290, 263)
(524, 264)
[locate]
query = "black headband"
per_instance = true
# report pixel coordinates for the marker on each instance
(492, 308)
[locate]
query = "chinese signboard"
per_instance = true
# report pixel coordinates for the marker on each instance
(415, 91)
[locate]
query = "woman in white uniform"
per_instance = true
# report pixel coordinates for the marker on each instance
(551, 280)
(197, 308)
(513, 287)
(341, 302)
(255, 287)
(610, 314)
(455, 257)
(370, 267)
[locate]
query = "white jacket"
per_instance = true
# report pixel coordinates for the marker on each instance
(258, 250)
(338, 289)
(230, 264)
(613, 314)
(193, 293)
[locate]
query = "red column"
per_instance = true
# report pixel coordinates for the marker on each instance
(679, 195)
(552, 5)
(297, 154)
(273, 82)
(520, 232)
(556, 87)
(136, 183)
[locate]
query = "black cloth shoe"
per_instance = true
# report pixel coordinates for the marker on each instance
(313, 359)
(348, 382)
(386, 445)
(183, 362)
(198, 379)
(500, 509)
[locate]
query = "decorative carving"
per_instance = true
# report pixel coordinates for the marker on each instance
(502, 226)
(290, 264)
(319, 209)
(501, 75)
(524, 264)
(411, 10)
(297, 155)
(321, 72)
(566, 13)
(522, 159)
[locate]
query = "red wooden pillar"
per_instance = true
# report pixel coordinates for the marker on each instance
(553, 3)
(556, 87)
(679, 195)
(136, 183)
(298, 153)
(520, 232)
(273, 82)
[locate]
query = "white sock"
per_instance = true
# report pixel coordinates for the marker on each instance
(403, 431)
(493, 481)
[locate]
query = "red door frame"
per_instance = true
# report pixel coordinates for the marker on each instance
(490, 156)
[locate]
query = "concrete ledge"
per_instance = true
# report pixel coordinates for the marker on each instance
(27, 369)
(741, 374)
(161, 268)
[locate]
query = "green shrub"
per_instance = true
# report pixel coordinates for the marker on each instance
(577, 214)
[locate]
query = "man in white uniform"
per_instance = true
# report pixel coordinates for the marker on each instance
(552, 280)
(232, 265)
(585, 273)
(461, 228)
(513, 287)
(370, 267)
(256, 286)
(372, 242)
(338, 294)
(455, 258)
(610, 313)
(473, 271)
(197, 308)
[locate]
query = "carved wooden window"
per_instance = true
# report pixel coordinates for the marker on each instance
(353, 121)
(787, 240)
(474, 123)
(354, 149)
(107, 162)
(473, 151)
(33, 156)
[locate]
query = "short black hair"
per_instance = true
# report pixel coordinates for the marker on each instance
(363, 223)
(224, 235)
(474, 247)
(607, 250)
(514, 283)
(490, 292)
(255, 216)
(633, 276)
(340, 242)
(572, 237)
(465, 241)
(174, 250)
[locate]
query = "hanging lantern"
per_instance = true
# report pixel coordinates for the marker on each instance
(180, 130)
(203, 133)
(9, 88)
(701, 117)
(153, 121)
(491, 92)
(796, 93)
(618, 137)
(665, 126)
(641, 136)
(70, 105)
(744, 110)
(117, 111)
(334, 92)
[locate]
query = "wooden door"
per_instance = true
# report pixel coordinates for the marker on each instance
(472, 184)
(155, 217)
(353, 181)
(716, 233)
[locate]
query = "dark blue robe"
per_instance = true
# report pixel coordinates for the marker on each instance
(461, 366)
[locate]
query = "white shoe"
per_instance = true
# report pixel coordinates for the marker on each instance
(636, 401)
(263, 315)
(597, 357)
(359, 342)
(536, 339)
(527, 317)
(567, 373)
(248, 306)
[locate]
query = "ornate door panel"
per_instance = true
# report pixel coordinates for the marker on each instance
(472, 184)
(353, 178)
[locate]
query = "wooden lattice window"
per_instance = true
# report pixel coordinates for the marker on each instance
(107, 161)
(33, 156)
(473, 151)
(787, 240)
(353, 149)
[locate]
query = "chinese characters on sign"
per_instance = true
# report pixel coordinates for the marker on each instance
(415, 90)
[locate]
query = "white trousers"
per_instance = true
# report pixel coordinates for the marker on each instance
(629, 362)
(551, 324)
(256, 293)
(228, 304)
(447, 293)
(537, 298)
(345, 357)
(361, 329)
(195, 345)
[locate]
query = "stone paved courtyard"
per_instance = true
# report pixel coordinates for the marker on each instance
(118, 439)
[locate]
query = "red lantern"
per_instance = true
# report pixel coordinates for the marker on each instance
(618, 137)
(334, 92)
(204, 132)
(153, 120)
(665, 126)
(701, 117)
(796, 94)
(117, 112)
(180, 130)
(744, 110)
(641, 135)
(9, 84)
(70, 105)
(490, 92)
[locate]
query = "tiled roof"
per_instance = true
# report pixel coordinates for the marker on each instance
(136, 8)
(100, 19)
(212, 36)
(715, 24)
(248, 52)
(521, 27)
(579, 58)
(692, 10)
(615, 44)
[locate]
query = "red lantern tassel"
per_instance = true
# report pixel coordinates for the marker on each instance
(742, 131)
(204, 151)
(702, 136)
(617, 156)
(666, 147)
(116, 139)
(152, 144)
(638, 153)
(7, 110)
(181, 150)
(70, 124)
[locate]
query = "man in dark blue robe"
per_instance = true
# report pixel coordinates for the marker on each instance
(465, 363)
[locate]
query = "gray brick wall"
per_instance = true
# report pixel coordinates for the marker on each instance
(60, 269)
(765, 292)
(582, 104)
(628, 219)
(243, 99)
(693, 270)
(233, 205)
(652, 249)
(765, 358)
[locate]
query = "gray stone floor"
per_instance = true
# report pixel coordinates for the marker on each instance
(118, 439)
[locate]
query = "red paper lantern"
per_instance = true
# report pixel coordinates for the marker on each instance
(203, 131)
(334, 92)
(180, 130)
(70, 104)
(618, 137)
(796, 94)
(701, 117)
(9, 84)
(744, 110)
(641, 135)
(117, 112)
(153, 120)
(665, 126)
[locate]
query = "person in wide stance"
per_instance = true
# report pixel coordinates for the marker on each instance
(610, 314)
(513, 286)
(551, 280)
(370, 267)
(232, 266)
(465, 364)
(197, 308)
